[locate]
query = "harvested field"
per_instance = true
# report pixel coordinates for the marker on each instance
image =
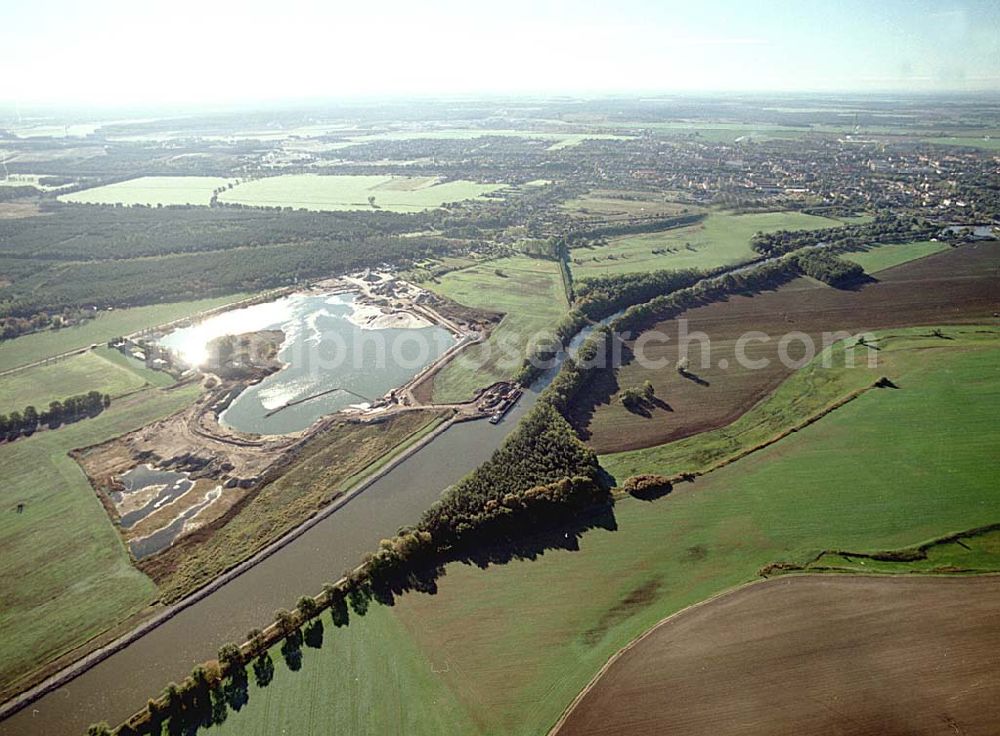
(846, 655)
(956, 286)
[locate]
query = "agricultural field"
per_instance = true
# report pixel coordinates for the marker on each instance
(623, 205)
(151, 191)
(953, 286)
(38, 346)
(557, 140)
(513, 644)
(723, 238)
(528, 291)
(902, 662)
(62, 554)
(331, 193)
(430, 269)
(100, 369)
(839, 374)
(719, 132)
(880, 257)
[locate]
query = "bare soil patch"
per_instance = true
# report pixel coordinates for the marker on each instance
(842, 655)
(17, 210)
(956, 286)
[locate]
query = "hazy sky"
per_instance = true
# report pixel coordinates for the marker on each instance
(135, 52)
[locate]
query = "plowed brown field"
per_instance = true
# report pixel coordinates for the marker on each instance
(961, 285)
(851, 656)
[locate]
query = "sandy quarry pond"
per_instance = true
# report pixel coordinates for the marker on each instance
(332, 344)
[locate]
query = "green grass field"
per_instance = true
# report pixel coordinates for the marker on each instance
(722, 239)
(315, 192)
(802, 395)
(530, 293)
(42, 345)
(506, 648)
(881, 257)
(101, 369)
(605, 203)
(64, 570)
(151, 190)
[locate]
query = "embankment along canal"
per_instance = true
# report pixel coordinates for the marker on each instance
(121, 684)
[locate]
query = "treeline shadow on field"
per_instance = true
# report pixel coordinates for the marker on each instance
(602, 385)
(857, 283)
(565, 536)
(201, 710)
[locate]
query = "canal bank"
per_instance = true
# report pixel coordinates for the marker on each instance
(120, 684)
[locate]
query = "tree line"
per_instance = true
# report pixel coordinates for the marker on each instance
(828, 268)
(885, 228)
(70, 409)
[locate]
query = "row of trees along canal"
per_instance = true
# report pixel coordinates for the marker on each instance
(541, 477)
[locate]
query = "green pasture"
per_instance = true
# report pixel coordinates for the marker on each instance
(39, 346)
(151, 191)
(327, 193)
(528, 291)
(722, 238)
(101, 369)
(505, 648)
(64, 570)
(880, 257)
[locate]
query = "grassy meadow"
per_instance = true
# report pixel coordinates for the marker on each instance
(328, 193)
(530, 293)
(504, 649)
(806, 393)
(880, 257)
(610, 204)
(151, 191)
(722, 239)
(101, 369)
(38, 346)
(62, 555)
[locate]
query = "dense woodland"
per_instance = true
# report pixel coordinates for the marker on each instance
(829, 268)
(499, 497)
(81, 256)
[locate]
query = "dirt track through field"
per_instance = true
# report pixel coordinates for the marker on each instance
(951, 287)
(851, 656)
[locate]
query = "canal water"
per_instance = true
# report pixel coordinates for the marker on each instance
(121, 684)
(329, 361)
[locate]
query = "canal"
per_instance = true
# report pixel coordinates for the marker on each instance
(121, 684)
